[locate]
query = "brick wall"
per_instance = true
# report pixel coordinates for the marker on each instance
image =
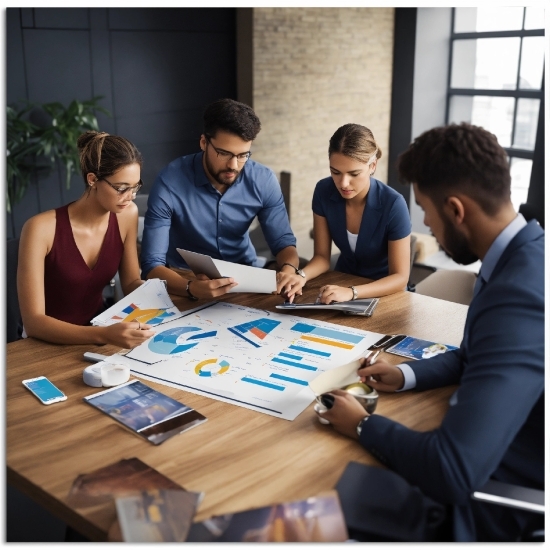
(314, 70)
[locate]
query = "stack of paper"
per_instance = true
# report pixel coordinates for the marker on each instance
(149, 304)
(356, 307)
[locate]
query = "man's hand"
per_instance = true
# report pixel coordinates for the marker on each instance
(381, 376)
(204, 287)
(345, 414)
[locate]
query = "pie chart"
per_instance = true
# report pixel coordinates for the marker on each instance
(178, 339)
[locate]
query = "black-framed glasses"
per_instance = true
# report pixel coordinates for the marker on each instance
(123, 190)
(227, 156)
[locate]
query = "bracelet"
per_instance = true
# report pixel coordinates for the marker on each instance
(354, 290)
(189, 295)
(286, 263)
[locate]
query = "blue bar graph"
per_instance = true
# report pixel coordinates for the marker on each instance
(288, 379)
(327, 333)
(292, 363)
(262, 383)
(309, 350)
(290, 356)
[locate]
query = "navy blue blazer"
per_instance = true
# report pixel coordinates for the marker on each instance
(385, 218)
(494, 427)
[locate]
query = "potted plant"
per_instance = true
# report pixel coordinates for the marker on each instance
(35, 148)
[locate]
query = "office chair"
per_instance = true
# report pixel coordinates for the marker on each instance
(515, 496)
(257, 237)
(453, 285)
(14, 325)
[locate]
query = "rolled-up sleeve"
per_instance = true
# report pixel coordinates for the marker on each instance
(156, 229)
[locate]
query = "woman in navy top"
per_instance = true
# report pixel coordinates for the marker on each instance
(367, 220)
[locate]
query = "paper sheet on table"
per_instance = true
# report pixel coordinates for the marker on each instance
(149, 304)
(250, 279)
(335, 378)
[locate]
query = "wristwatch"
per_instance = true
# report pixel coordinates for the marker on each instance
(361, 424)
(189, 295)
(354, 290)
(296, 270)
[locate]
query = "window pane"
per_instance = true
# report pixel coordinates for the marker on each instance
(527, 118)
(534, 18)
(495, 114)
(532, 63)
(488, 19)
(490, 63)
(520, 170)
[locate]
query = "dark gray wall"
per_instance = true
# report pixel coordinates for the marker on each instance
(157, 69)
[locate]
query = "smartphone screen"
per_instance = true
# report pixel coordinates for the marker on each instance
(44, 390)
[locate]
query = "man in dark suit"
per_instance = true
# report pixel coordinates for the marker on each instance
(494, 427)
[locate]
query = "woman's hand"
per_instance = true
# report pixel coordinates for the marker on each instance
(345, 413)
(127, 335)
(333, 293)
(381, 376)
(289, 285)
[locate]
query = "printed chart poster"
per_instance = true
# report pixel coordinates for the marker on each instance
(248, 357)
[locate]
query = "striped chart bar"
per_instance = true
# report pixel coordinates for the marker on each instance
(309, 350)
(327, 336)
(288, 379)
(262, 383)
(292, 364)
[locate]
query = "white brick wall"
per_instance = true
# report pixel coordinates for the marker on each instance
(314, 70)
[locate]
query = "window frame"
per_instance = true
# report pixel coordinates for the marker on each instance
(512, 152)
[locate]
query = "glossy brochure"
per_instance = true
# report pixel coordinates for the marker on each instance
(146, 411)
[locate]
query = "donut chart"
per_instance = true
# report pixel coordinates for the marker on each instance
(204, 369)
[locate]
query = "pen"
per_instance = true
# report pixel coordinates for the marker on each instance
(373, 358)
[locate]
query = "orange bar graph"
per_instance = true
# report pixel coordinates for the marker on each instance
(327, 342)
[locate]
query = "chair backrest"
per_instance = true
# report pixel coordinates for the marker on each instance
(453, 285)
(13, 315)
(141, 203)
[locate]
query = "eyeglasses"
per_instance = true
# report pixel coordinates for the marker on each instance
(123, 190)
(227, 156)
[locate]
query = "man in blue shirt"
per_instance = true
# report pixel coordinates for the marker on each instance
(494, 428)
(205, 203)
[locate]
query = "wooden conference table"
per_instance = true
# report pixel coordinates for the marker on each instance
(239, 458)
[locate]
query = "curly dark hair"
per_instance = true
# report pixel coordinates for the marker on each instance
(458, 158)
(233, 117)
(103, 154)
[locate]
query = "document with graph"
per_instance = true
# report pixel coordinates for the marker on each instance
(149, 304)
(248, 357)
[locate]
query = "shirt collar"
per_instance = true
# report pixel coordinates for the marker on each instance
(499, 246)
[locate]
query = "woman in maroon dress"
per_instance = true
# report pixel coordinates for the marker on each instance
(68, 255)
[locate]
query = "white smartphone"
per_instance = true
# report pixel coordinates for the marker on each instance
(44, 390)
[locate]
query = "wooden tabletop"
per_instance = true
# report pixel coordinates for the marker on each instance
(240, 458)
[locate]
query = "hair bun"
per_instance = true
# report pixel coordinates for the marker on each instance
(86, 138)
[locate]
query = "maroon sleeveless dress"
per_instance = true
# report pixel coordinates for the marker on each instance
(73, 291)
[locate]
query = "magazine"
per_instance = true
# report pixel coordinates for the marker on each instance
(157, 515)
(316, 519)
(149, 304)
(364, 307)
(123, 477)
(145, 411)
(416, 348)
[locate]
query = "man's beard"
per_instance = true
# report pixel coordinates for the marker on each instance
(217, 175)
(456, 246)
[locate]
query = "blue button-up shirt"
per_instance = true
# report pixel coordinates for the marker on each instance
(185, 210)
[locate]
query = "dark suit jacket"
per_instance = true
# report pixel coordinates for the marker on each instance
(495, 424)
